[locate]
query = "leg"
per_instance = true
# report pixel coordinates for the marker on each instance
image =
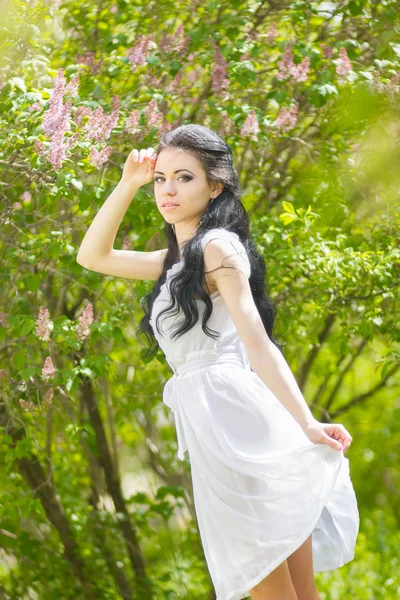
(302, 573)
(276, 586)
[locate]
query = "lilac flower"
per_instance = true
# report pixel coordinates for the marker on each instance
(180, 40)
(56, 120)
(271, 34)
(250, 126)
(287, 67)
(227, 126)
(300, 72)
(26, 196)
(177, 42)
(35, 106)
(327, 51)
(152, 115)
(137, 53)
(47, 398)
(81, 112)
(287, 119)
(48, 370)
(392, 87)
(42, 324)
(99, 125)
(220, 80)
(89, 59)
(3, 319)
(85, 320)
(343, 66)
(99, 157)
(27, 405)
(286, 64)
(126, 243)
(132, 122)
(175, 85)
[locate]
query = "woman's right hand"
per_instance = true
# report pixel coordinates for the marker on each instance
(139, 167)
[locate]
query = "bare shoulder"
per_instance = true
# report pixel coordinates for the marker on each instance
(131, 264)
(220, 252)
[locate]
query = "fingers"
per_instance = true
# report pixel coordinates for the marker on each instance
(139, 156)
(340, 435)
(333, 443)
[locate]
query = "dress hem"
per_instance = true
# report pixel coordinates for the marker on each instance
(233, 595)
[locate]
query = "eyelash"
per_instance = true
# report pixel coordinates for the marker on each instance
(187, 177)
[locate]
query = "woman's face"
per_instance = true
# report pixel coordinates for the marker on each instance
(187, 189)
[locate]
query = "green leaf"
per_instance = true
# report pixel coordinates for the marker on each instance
(288, 206)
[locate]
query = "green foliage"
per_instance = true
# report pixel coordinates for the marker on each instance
(87, 453)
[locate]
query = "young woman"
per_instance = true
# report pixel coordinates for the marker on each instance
(272, 489)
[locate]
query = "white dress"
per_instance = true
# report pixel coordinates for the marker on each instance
(261, 487)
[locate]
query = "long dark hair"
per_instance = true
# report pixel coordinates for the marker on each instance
(225, 211)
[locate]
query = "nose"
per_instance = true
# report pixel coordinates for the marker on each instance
(169, 188)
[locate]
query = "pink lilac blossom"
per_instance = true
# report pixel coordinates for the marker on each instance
(34, 106)
(220, 79)
(48, 370)
(287, 67)
(287, 119)
(271, 34)
(56, 120)
(26, 196)
(81, 112)
(250, 126)
(17, 205)
(85, 320)
(47, 398)
(99, 157)
(137, 53)
(126, 243)
(132, 122)
(113, 9)
(302, 70)
(227, 126)
(327, 51)
(27, 405)
(89, 59)
(175, 86)
(42, 324)
(152, 115)
(99, 125)
(392, 87)
(3, 319)
(286, 64)
(343, 66)
(177, 42)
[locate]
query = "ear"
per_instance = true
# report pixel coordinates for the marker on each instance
(218, 189)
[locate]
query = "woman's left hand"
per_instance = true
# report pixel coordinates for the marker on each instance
(333, 434)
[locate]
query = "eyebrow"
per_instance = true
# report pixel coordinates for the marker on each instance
(175, 171)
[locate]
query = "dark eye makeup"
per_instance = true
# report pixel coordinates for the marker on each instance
(188, 178)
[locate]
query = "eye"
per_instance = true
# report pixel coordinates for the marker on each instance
(187, 177)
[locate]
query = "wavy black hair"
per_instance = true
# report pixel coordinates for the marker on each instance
(225, 211)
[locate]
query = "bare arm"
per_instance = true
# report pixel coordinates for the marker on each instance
(96, 251)
(265, 358)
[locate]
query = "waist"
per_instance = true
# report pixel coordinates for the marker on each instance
(203, 360)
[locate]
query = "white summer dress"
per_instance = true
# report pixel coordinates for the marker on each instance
(261, 487)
